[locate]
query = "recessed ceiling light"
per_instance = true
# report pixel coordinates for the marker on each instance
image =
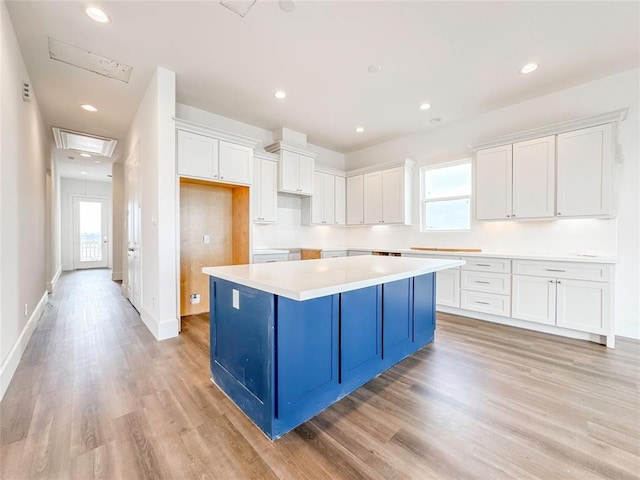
(97, 14)
(88, 108)
(280, 94)
(86, 155)
(97, 161)
(374, 68)
(83, 173)
(425, 106)
(359, 129)
(529, 67)
(435, 120)
(287, 5)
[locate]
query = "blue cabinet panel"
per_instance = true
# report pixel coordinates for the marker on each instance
(306, 349)
(397, 320)
(360, 333)
(424, 294)
(242, 360)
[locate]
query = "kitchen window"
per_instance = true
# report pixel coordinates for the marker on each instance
(446, 196)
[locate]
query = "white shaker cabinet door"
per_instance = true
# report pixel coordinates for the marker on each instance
(448, 288)
(584, 172)
(289, 172)
(534, 299)
(393, 195)
(493, 194)
(197, 155)
(305, 174)
(340, 188)
(355, 207)
(236, 163)
(265, 189)
(584, 305)
(534, 170)
(372, 198)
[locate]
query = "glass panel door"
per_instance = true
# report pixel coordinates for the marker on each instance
(90, 233)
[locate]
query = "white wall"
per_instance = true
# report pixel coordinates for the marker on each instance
(153, 130)
(617, 237)
(24, 154)
(69, 189)
(53, 251)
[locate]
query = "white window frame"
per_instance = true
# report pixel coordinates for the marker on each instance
(424, 201)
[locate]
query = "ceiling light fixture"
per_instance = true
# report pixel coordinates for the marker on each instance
(83, 173)
(88, 108)
(435, 120)
(359, 129)
(84, 142)
(97, 14)
(86, 155)
(97, 161)
(529, 67)
(425, 106)
(287, 5)
(280, 94)
(374, 68)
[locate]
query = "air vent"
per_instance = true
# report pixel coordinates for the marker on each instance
(84, 142)
(26, 91)
(66, 53)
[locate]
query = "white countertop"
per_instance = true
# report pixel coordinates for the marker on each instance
(307, 279)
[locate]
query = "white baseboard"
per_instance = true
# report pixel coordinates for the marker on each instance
(625, 328)
(160, 329)
(67, 268)
(10, 364)
(52, 284)
(116, 276)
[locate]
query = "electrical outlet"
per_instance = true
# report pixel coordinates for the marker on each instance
(26, 309)
(194, 298)
(205, 239)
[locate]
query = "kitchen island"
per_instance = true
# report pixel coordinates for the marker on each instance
(289, 339)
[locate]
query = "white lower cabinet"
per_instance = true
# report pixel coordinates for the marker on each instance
(485, 285)
(448, 287)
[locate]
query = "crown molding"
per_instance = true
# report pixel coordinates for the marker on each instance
(188, 126)
(407, 163)
(615, 116)
(266, 155)
(277, 146)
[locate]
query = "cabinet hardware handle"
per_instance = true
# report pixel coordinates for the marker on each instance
(513, 215)
(480, 281)
(559, 281)
(559, 213)
(483, 303)
(554, 270)
(483, 265)
(552, 281)
(215, 176)
(508, 216)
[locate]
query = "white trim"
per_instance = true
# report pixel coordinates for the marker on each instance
(214, 132)
(10, 364)
(277, 146)
(52, 284)
(266, 155)
(116, 276)
(381, 166)
(615, 116)
(161, 330)
(332, 171)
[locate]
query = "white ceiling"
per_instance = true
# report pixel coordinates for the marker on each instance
(462, 57)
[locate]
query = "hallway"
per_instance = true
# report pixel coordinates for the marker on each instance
(96, 396)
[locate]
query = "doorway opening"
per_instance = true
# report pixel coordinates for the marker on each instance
(90, 232)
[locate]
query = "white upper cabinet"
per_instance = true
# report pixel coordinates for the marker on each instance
(533, 188)
(340, 200)
(326, 206)
(372, 197)
(197, 155)
(265, 191)
(355, 200)
(236, 163)
(584, 172)
(493, 183)
(295, 170)
(385, 197)
(204, 156)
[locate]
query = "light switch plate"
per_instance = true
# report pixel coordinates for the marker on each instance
(236, 299)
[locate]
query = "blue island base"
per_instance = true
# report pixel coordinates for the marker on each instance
(283, 361)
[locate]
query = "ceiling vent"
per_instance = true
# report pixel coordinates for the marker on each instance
(26, 91)
(66, 53)
(241, 7)
(83, 142)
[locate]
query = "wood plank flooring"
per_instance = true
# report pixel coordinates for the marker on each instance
(96, 396)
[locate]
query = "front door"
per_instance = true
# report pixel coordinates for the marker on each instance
(90, 232)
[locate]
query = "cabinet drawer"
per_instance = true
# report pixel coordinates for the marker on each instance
(498, 265)
(270, 257)
(485, 302)
(579, 271)
(499, 283)
(334, 253)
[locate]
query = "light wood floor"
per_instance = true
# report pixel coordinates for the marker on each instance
(95, 396)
